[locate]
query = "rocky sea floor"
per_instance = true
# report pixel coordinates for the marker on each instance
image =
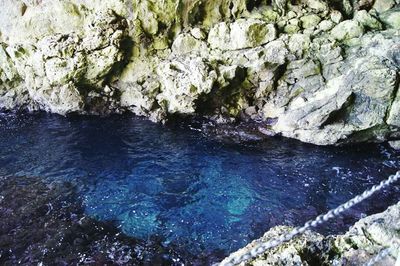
(120, 190)
(44, 223)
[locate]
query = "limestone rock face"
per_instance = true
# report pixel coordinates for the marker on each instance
(182, 81)
(330, 108)
(58, 68)
(324, 72)
(370, 235)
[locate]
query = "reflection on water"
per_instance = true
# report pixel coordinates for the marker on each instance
(207, 197)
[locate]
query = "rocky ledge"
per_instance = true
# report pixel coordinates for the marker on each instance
(324, 72)
(361, 243)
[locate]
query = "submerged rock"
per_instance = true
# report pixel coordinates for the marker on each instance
(325, 71)
(45, 224)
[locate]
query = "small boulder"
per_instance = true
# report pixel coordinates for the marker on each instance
(186, 43)
(391, 18)
(347, 30)
(367, 20)
(326, 25)
(383, 5)
(310, 21)
(336, 16)
(298, 43)
(317, 5)
(243, 33)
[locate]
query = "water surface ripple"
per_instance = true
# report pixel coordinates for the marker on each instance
(206, 197)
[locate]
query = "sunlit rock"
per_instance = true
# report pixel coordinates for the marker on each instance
(347, 29)
(357, 246)
(241, 34)
(391, 18)
(182, 82)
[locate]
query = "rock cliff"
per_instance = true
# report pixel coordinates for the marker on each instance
(324, 72)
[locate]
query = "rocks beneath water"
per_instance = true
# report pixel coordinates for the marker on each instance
(361, 243)
(45, 223)
(325, 71)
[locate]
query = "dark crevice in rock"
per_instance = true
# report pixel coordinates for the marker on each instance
(251, 4)
(376, 133)
(319, 253)
(126, 47)
(340, 115)
(345, 6)
(222, 96)
(393, 97)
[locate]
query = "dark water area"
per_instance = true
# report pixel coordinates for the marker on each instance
(122, 190)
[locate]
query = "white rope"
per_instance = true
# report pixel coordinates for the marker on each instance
(260, 248)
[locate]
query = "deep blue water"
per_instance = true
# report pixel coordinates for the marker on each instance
(205, 196)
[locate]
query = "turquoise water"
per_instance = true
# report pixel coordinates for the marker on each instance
(203, 196)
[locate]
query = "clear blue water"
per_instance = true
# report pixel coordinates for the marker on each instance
(192, 191)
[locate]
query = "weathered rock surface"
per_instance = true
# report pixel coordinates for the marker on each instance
(324, 72)
(361, 243)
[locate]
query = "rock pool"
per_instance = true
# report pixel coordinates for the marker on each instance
(181, 196)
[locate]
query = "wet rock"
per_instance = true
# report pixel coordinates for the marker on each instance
(314, 115)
